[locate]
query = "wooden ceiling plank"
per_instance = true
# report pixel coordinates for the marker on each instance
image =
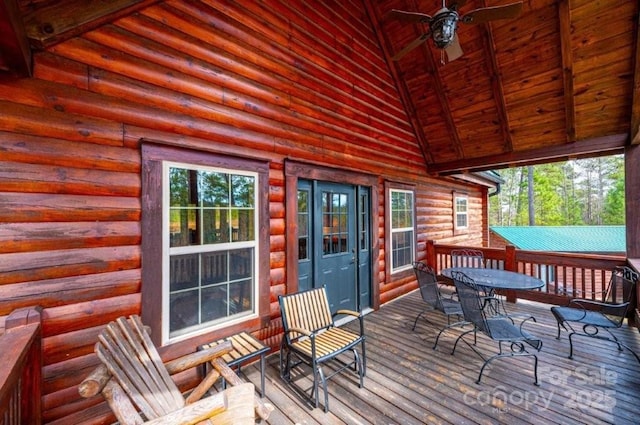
(598, 146)
(489, 47)
(15, 54)
(401, 86)
(564, 16)
(59, 21)
(635, 106)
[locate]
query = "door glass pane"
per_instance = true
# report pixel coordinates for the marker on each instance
(335, 214)
(364, 221)
(303, 224)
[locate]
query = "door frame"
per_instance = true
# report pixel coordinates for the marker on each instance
(295, 170)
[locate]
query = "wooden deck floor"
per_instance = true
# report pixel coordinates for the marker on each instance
(408, 382)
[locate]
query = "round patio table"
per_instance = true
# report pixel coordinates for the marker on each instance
(496, 278)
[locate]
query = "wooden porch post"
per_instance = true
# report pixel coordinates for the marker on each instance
(431, 255)
(511, 265)
(632, 212)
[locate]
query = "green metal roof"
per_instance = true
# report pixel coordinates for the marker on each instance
(598, 239)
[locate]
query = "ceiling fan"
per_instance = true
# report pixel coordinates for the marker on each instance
(443, 25)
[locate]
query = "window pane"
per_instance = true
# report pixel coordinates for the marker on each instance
(240, 297)
(181, 187)
(182, 227)
(215, 226)
(402, 249)
(214, 303)
(241, 264)
(183, 310)
(214, 188)
(184, 272)
(242, 228)
(214, 267)
(242, 191)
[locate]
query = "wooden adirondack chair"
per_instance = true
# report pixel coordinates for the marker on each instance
(139, 389)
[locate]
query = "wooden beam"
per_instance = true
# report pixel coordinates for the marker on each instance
(442, 99)
(58, 21)
(564, 16)
(15, 54)
(405, 97)
(489, 46)
(635, 106)
(598, 146)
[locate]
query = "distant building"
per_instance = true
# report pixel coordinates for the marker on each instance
(584, 239)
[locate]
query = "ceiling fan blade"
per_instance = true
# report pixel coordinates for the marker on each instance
(409, 47)
(453, 50)
(493, 13)
(405, 16)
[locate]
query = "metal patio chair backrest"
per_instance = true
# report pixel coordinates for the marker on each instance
(428, 284)
(470, 300)
(467, 258)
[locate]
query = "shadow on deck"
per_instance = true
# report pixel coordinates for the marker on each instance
(408, 382)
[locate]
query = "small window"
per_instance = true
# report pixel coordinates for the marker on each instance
(461, 212)
(402, 229)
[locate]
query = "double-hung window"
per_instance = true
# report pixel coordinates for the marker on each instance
(401, 209)
(212, 246)
(461, 215)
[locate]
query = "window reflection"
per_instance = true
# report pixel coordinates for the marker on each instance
(210, 211)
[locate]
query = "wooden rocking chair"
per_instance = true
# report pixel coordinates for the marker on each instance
(139, 389)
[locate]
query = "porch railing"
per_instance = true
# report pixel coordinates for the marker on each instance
(21, 370)
(565, 275)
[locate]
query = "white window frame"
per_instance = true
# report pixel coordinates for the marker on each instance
(396, 269)
(458, 214)
(168, 251)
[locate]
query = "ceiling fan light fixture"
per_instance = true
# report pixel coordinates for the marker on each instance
(443, 27)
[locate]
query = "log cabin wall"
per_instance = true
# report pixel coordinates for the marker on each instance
(272, 80)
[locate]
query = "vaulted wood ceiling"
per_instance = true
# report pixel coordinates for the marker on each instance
(560, 81)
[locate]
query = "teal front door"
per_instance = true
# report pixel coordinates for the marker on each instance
(333, 242)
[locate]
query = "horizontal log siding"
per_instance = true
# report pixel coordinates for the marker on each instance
(269, 80)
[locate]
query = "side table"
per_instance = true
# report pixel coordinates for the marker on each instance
(245, 348)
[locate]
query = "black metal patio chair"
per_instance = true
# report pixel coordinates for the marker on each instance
(596, 319)
(499, 328)
(435, 301)
(467, 257)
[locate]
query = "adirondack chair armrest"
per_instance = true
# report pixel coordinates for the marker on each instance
(95, 382)
(98, 378)
(197, 358)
